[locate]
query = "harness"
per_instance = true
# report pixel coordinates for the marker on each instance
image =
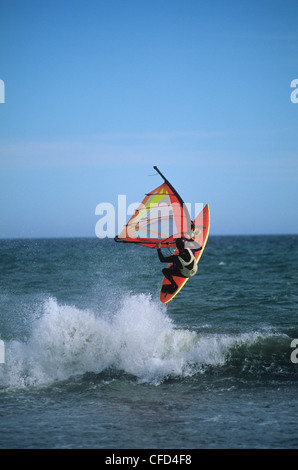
(189, 268)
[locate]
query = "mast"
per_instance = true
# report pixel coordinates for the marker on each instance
(173, 189)
(163, 177)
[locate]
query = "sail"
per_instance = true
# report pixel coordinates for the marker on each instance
(161, 217)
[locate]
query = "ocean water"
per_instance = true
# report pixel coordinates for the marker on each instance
(94, 360)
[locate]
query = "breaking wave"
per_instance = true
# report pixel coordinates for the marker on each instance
(138, 338)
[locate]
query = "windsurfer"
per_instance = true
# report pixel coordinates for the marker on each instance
(184, 264)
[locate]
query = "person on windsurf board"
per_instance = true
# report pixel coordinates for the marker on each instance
(183, 264)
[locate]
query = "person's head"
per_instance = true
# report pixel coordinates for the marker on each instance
(180, 244)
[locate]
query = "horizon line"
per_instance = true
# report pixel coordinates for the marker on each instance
(69, 237)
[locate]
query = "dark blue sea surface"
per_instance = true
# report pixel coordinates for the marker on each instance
(94, 360)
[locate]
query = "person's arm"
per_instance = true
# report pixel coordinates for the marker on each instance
(162, 258)
(198, 247)
(193, 245)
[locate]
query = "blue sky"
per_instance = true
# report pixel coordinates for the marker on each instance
(97, 92)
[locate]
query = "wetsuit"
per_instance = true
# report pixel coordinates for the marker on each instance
(186, 267)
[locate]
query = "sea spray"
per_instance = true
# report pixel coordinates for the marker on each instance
(137, 337)
(150, 346)
(65, 341)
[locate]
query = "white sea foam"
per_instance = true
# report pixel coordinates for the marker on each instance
(138, 337)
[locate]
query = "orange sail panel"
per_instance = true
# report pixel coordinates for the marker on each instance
(161, 217)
